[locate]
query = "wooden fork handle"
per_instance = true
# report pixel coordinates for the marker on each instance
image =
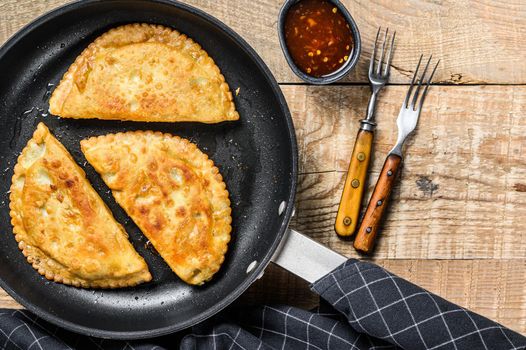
(376, 208)
(351, 200)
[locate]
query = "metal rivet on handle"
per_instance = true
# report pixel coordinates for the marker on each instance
(379, 203)
(251, 266)
(347, 221)
(361, 156)
(389, 173)
(281, 208)
(368, 229)
(355, 183)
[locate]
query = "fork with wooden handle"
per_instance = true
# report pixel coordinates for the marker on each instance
(406, 122)
(351, 200)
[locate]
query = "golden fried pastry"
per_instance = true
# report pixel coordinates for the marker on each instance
(62, 225)
(173, 192)
(144, 72)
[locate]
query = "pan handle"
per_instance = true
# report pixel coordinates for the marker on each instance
(305, 257)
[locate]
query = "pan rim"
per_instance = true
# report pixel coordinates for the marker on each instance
(286, 216)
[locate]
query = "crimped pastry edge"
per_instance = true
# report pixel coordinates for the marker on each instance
(19, 231)
(224, 195)
(90, 50)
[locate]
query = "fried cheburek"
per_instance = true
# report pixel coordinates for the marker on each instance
(144, 72)
(173, 192)
(62, 225)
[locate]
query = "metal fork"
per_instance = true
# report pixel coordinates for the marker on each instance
(377, 79)
(351, 200)
(407, 120)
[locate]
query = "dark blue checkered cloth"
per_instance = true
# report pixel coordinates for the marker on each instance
(363, 307)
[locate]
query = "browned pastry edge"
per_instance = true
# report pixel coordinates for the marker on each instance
(223, 195)
(61, 93)
(35, 256)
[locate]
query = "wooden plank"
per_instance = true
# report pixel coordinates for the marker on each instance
(7, 302)
(479, 41)
(494, 288)
(461, 194)
(470, 207)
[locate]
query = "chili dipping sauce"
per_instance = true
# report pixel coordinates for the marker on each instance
(318, 37)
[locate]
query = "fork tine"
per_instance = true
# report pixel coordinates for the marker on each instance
(427, 86)
(390, 57)
(381, 59)
(412, 83)
(373, 56)
(415, 97)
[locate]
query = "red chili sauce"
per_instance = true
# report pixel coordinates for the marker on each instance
(318, 37)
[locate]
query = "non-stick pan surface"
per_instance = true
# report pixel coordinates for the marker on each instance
(256, 155)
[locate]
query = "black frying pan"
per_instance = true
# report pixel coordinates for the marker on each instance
(256, 155)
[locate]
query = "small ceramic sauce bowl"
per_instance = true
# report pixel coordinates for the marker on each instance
(340, 72)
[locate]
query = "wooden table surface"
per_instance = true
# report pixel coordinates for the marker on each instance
(457, 221)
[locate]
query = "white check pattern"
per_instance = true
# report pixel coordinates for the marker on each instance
(363, 307)
(387, 307)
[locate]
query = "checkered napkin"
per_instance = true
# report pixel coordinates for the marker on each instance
(363, 307)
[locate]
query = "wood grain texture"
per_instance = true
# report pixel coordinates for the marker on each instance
(493, 288)
(460, 192)
(456, 221)
(354, 187)
(478, 41)
(370, 226)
